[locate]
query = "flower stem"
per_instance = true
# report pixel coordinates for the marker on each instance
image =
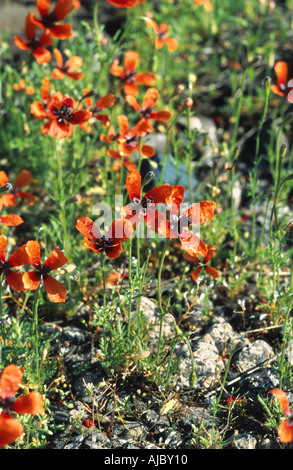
(36, 327)
(162, 314)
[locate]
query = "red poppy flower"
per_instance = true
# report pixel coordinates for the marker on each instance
(104, 102)
(29, 90)
(31, 403)
(31, 279)
(144, 207)
(123, 3)
(285, 430)
(129, 74)
(18, 258)
(212, 272)
(110, 243)
(178, 225)
(49, 19)
(121, 159)
(69, 68)
(11, 220)
(128, 139)
(162, 36)
(146, 109)
(283, 85)
(63, 114)
(22, 179)
(35, 43)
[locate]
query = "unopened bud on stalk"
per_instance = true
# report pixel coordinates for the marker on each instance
(267, 84)
(73, 199)
(148, 178)
(188, 103)
(6, 188)
(283, 150)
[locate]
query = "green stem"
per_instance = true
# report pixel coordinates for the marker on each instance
(130, 286)
(285, 329)
(162, 314)
(103, 278)
(253, 186)
(36, 327)
(96, 27)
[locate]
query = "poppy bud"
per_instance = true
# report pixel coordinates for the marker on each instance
(188, 103)
(6, 188)
(148, 178)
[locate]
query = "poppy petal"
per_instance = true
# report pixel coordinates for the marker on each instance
(61, 31)
(106, 101)
(159, 194)
(211, 253)
(133, 102)
(10, 380)
(285, 431)
(114, 251)
(31, 280)
(20, 257)
(60, 131)
(131, 89)
(117, 70)
(80, 116)
(131, 61)
(10, 429)
(3, 245)
(147, 151)
(150, 98)
(281, 70)
(62, 8)
(43, 7)
(58, 58)
(12, 220)
(42, 55)
(74, 63)
(172, 44)
(75, 75)
(195, 273)
(3, 178)
(23, 178)
(212, 272)
(55, 290)
(160, 115)
(20, 43)
(85, 226)
(30, 27)
(146, 78)
(28, 197)
(133, 185)
(15, 280)
(283, 399)
(46, 39)
(32, 404)
(34, 251)
(56, 259)
(92, 246)
(192, 244)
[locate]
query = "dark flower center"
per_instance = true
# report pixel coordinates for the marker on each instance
(43, 270)
(141, 205)
(33, 42)
(178, 224)
(129, 76)
(7, 404)
(105, 242)
(64, 113)
(49, 20)
(131, 140)
(5, 266)
(146, 112)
